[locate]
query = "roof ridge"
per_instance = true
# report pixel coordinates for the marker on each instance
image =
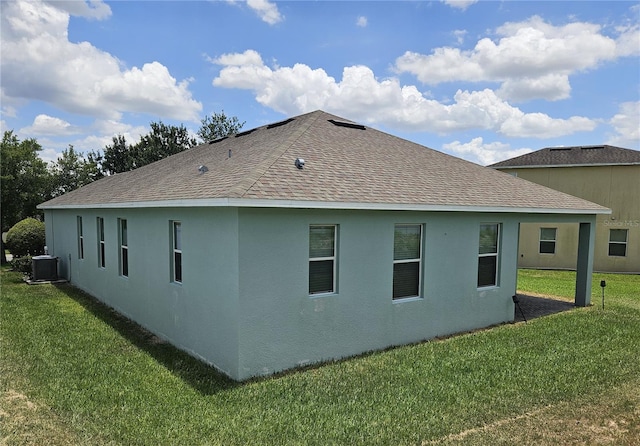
(243, 186)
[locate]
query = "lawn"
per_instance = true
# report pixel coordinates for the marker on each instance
(74, 372)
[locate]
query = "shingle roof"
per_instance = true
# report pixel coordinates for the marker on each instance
(574, 156)
(347, 166)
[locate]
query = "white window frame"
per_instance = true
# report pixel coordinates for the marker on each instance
(80, 238)
(175, 251)
(333, 258)
(102, 255)
(417, 260)
(496, 254)
(124, 247)
(543, 240)
(625, 243)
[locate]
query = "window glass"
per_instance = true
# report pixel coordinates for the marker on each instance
(547, 240)
(488, 239)
(618, 242)
(407, 261)
(322, 259)
(321, 241)
(406, 242)
(488, 255)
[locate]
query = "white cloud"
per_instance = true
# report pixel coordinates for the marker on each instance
(81, 78)
(483, 153)
(359, 94)
(361, 21)
(267, 11)
(459, 4)
(94, 9)
(626, 124)
(532, 59)
(50, 126)
(3, 127)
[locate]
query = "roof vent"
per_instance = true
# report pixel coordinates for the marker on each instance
(278, 124)
(557, 149)
(245, 133)
(592, 147)
(350, 125)
(299, 163)
(218, 140)
(202, 169)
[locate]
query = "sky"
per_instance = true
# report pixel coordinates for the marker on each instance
(481, 80)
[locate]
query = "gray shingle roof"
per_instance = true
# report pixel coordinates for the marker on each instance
(347, 166)
(574, 156)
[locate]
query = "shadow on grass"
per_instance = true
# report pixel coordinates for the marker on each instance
(533, 307)
(202, 377)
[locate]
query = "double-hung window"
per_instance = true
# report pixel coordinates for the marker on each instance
(548, 240)
(176, 243)
(80, 238)
(101, 246)
(489, 255)
(407, 261)
(618, 242)
(124, 248)
(322, 259)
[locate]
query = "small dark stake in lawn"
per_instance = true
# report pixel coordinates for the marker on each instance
(74, 372)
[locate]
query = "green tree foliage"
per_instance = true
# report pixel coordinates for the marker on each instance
(24, 181)
(72, 171)
(163, 141)
(218, 125)
(26, 238)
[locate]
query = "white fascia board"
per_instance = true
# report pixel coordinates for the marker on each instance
(302, 204)
(544, 166)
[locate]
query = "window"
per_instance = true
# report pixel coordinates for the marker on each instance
(407, 261)
(80, 238)
(322, 259)
(124, 248)
(488, 255)
(176, 264)
(101, 253)
(618, 242)
(548, 240)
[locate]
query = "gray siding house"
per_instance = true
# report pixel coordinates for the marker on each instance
(306, 240)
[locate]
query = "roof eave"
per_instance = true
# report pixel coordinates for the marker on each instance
(304, 204)
(542, 166)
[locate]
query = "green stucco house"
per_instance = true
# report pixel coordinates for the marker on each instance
(306, 240)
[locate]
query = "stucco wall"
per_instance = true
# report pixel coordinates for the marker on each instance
(244, 305)
(616, 187)
(281, 326)
(199, 315)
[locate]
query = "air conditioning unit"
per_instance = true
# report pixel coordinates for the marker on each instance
(44, 268)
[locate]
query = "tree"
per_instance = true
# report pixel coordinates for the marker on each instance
(72, 171)
(118, 157)
(163, 141)
(218, 125)
(24, 181)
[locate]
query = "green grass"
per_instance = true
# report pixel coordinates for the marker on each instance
(83, 375)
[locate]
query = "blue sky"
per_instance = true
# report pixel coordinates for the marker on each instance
(483, 81)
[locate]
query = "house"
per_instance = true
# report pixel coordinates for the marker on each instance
(604, 174)
(305, 240)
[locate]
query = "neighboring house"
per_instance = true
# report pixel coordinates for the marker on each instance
(305, 240)
(606, 175)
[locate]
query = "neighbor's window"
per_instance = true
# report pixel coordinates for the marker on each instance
(489, 255)
(548, 240)
(124, 248)
(407, 261)
(80, 238)
(101, 253)
(322, 259)
(176, 264)
(618, 242)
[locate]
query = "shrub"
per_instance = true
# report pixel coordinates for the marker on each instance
(26, 238)
(22, 264)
